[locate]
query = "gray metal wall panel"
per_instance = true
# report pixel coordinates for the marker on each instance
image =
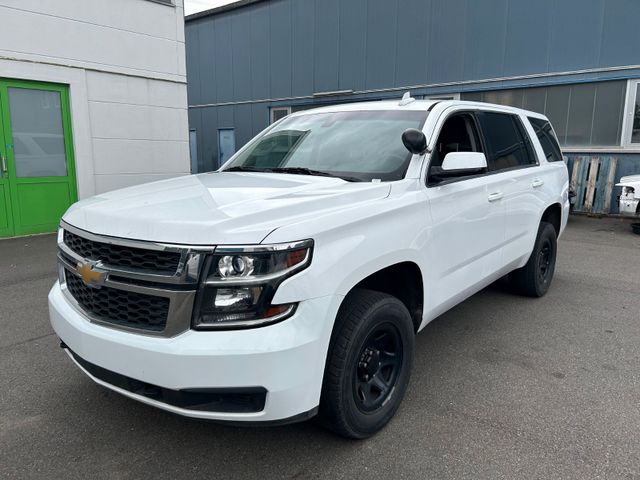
(223, 59)
(195, 122)
(446, 41)
(242, 122)
(280, 48)
(205, 35)
(193, 61)
(486, 30)
(260, 78)
(382, 27)
(576, 34)
(303, 48)
(353, 41)
(298, 47)
(413, 41)
(528, 36)
(326, 54)
(621, 35)
(241, 56)
(208, 139)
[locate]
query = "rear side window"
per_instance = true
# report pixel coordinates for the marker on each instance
(507, 144)
(547, 138)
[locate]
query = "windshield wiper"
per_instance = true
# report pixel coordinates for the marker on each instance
(310, 171)
(292, 171)
(246, 169)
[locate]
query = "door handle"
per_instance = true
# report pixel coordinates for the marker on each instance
(4, 165)
(495, 196)
(537, 183)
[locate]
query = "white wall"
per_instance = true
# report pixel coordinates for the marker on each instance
(124, 63)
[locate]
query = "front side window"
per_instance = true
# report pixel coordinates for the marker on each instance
(547, 138)
(507, 145)
(357, 146)
(458, 134)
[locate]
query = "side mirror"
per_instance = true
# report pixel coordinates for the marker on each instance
(460, 164)
(414, 141)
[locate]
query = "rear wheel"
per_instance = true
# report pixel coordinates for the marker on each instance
(368, 364)
(535, 277)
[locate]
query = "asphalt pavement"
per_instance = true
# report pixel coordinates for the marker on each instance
(503, 387)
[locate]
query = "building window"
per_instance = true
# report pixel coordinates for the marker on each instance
(631, 129)
(278, 113)
(583, 115)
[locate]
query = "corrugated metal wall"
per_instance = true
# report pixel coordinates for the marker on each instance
(289, 48)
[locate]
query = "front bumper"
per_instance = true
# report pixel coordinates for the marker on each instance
(286, 359)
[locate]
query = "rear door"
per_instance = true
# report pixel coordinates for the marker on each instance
(514, 165)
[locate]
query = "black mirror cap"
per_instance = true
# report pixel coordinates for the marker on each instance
(414, 141)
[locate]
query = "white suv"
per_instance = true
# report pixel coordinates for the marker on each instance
(293, 280)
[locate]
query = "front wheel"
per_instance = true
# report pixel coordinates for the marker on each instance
(535, 277)
(368, 364)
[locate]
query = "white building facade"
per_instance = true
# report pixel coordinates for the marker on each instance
(92, 98)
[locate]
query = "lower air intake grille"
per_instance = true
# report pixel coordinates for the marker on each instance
(120, 307)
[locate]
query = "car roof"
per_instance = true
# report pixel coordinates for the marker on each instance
(419, 105)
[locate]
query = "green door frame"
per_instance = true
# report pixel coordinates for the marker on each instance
(20, 225)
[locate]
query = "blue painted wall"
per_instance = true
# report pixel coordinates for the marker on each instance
(278, 49)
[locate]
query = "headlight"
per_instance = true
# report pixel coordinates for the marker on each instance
(240, 283)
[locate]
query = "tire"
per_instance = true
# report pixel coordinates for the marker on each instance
(535, 277)
(368, 364)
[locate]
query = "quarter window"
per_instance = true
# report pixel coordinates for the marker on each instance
(507, 146)
(547, 138)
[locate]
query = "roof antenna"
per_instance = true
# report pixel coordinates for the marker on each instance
(406, 99)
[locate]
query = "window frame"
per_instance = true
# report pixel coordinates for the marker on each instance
(628, 112)
(272, 110)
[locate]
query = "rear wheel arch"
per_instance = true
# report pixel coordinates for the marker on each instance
(553, 215)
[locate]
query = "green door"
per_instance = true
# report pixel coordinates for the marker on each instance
(38, 178)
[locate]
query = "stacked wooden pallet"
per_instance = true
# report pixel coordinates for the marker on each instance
(594, 179)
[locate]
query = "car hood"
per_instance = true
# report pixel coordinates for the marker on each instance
(217, 208)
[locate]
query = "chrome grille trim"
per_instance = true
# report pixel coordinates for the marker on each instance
(180, 288)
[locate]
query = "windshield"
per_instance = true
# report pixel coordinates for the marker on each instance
(356, 146)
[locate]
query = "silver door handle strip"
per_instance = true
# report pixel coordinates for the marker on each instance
(495, 196)
(537, 183)
(4, 164)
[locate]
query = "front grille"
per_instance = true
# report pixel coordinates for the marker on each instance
(120, 307)
(120, 256)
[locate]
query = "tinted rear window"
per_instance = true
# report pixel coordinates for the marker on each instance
(547, 138)
(508, 146)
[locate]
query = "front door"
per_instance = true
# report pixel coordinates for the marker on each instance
(38, 180)
(467, 221)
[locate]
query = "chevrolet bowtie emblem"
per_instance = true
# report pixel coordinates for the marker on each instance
(88, 274)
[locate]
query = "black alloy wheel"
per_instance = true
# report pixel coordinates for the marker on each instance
(378, 367)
